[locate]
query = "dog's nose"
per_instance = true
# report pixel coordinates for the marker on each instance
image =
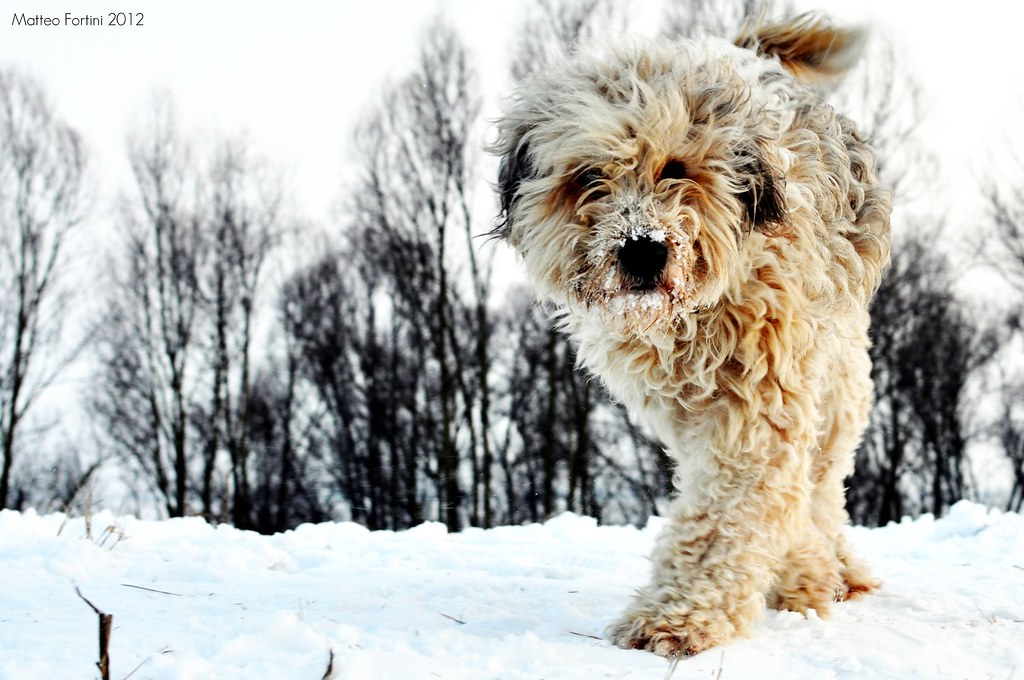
(643, 260)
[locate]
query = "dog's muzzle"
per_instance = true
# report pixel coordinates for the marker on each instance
(643, 260)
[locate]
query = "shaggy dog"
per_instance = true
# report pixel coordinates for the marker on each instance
(712, 232)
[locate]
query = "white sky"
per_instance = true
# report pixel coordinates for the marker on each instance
(297, 76)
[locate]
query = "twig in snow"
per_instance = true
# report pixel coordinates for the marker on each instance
(106, 623)
(151, 590)
(134, 670)
(112, 531)
(330, 667)
(452, 618)
(586, 635)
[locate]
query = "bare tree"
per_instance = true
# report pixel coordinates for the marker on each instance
(287, 481)
(550, 406)
(323, 320)
(177, 348)
(149, 349)
(1004, 252)
(926, 350)
(410, 228)
(42, 198)
(243, 215)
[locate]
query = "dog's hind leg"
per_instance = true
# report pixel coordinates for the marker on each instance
(846, 414)
(809, 577)
(831, 518)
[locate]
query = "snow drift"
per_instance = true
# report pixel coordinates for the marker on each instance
(194, 601)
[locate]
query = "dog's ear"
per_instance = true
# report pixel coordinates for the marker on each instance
(808, 46)
(763, 196)
(516, 166)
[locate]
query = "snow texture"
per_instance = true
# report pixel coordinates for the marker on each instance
(519, 603)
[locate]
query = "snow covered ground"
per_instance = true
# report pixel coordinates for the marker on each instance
(193, 601)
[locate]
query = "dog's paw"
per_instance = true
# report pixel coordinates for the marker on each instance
(858, 583)
(671, 633)
(802, 591)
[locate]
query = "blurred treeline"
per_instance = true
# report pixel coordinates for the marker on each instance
(245, 370)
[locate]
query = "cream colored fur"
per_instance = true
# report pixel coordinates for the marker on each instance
(748, 356)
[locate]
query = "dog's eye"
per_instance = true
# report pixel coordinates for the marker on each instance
(673, 170)
(590, 183)
(589, 178)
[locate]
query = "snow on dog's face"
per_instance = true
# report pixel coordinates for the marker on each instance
(630, 180)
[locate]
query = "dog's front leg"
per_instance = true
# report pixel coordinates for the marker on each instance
(716, 558)
(709, 584)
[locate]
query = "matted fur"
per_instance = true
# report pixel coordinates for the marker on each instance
(748, 353)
